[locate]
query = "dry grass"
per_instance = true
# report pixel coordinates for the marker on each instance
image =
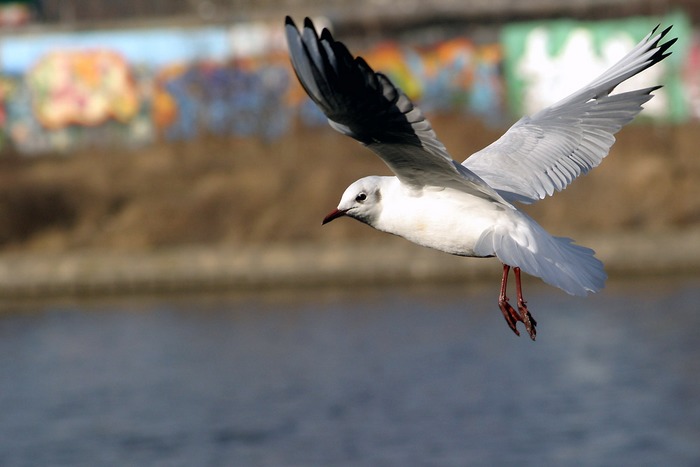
(237, 192)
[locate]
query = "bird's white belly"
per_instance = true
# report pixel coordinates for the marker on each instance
(446, 220)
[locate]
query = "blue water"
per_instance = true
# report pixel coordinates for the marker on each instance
(427, 376)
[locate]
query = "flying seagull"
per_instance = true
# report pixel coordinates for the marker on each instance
(467, 209)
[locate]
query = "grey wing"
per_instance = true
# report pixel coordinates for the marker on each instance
(543, 153)
(367, 107)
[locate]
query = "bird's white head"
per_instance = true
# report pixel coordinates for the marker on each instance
(362, 201)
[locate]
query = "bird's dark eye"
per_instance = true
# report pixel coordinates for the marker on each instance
(361, 197)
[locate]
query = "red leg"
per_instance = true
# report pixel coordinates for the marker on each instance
(509, 313)
(525, 315)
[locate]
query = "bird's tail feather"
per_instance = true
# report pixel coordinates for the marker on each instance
(556, 260)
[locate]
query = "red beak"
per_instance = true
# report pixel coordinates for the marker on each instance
(336, 213)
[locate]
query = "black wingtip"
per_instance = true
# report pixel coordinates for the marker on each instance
(309, 24)
(665, 31)
(326, 35)
(663, 50)
(658, 37)
(288, 21)
(670, 42)
(653, 31)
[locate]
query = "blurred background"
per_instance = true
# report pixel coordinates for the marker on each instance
(149, 149)
(137, 126)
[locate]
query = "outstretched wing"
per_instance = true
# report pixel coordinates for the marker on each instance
(368, 107)
(547, 151)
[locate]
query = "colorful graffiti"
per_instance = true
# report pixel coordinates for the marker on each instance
(546, 61)
(82, 88)
(244, 98)
(31, 125)
(135, 87)
(260, 97)
(89, 95)
(453, 75)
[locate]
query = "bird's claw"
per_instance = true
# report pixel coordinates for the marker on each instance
(509, 313)
(523, 315)
(527, 319)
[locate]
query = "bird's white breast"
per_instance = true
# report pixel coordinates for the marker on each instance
(444, 219)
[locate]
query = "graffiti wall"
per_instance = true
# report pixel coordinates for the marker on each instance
(454, 75)
(64, 91)
(82, 88)
(546, 61)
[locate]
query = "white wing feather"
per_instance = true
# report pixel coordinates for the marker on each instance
(522, 242)
(544, 153)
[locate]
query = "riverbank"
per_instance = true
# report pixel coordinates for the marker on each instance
(222, 214)
(247, 192)
(263, 268)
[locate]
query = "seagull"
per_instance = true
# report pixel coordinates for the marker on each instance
(468, 209)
